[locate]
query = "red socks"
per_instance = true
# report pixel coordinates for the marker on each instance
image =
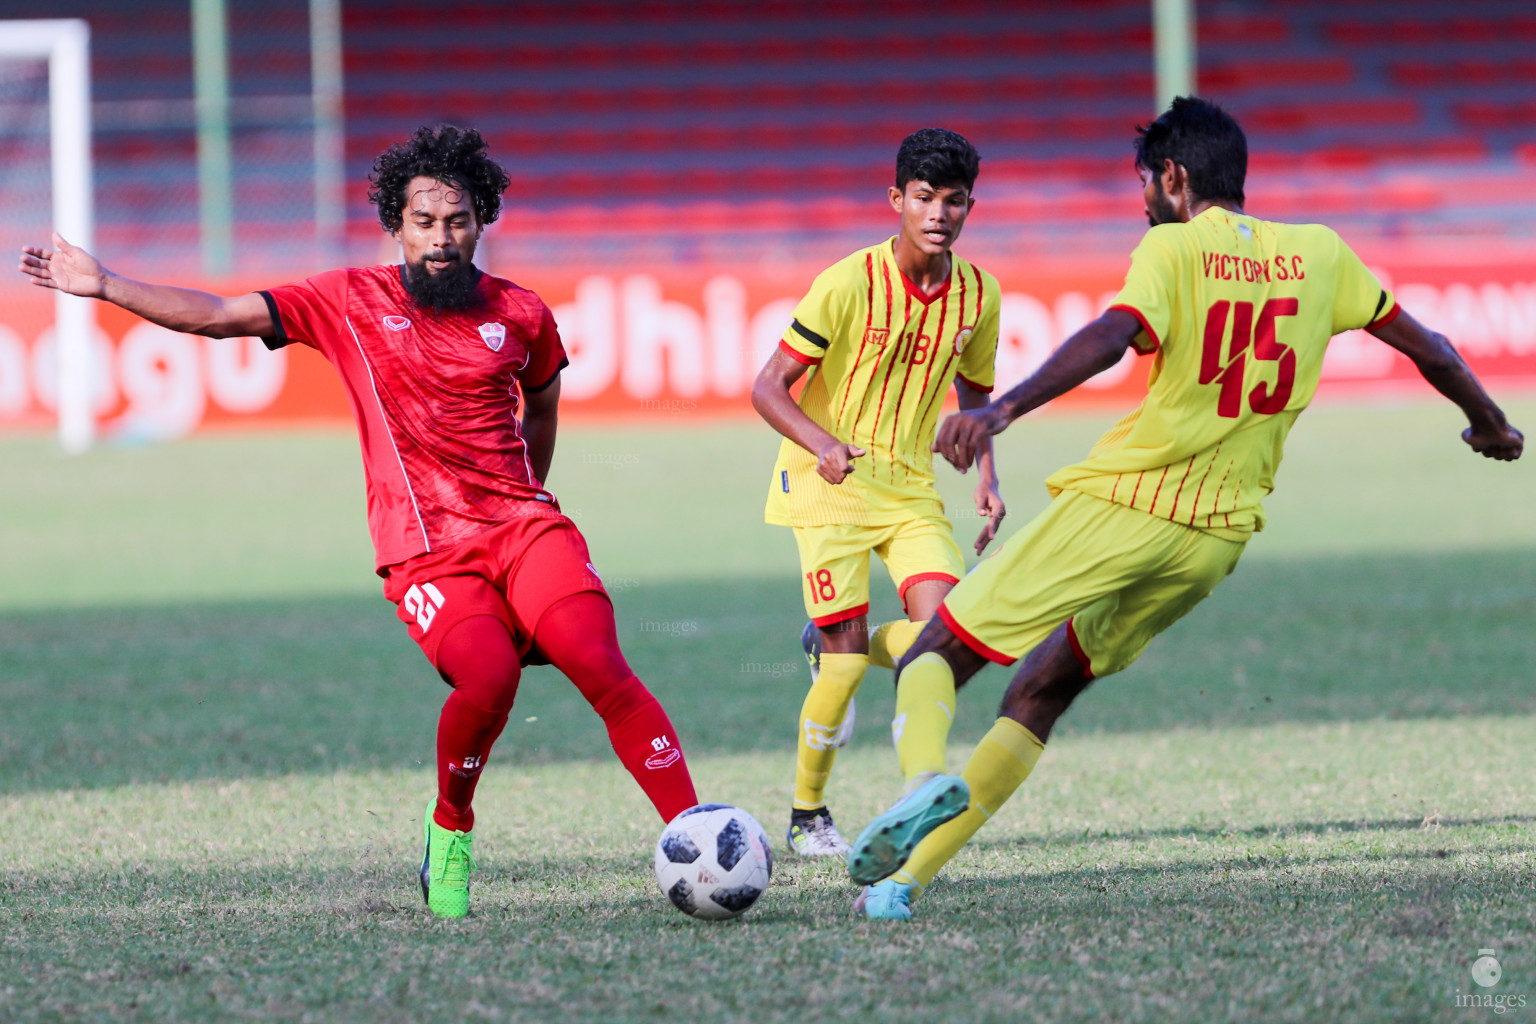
(479, 660)
(577, 635)
(642, 736)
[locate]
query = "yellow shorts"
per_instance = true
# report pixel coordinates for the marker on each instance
(834, 563)
(1117, 576)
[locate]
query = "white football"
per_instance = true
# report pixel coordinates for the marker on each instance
(713, 861)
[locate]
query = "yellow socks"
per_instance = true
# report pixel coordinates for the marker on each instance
(925, 709)
(890, 640)
(1001, 763)
(821, 714)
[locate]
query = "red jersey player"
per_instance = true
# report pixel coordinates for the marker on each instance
(454, 378)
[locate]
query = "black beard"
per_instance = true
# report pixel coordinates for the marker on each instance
(1160, 210)
(446, 290)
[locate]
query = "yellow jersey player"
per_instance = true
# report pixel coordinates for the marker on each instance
(879, 338)
(1239, 312)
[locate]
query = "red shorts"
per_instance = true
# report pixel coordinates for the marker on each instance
(514, 571)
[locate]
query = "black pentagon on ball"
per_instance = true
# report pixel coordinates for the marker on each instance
(731, 844)
(735, 899)
(681, 895)
(679, 849)
(701, 808)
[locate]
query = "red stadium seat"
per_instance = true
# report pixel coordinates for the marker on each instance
(1302, 117)
(1242, 28)
(1516, 114)
(1291, 72)
(699, 108)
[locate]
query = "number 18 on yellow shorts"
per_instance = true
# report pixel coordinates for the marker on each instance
(1121, 577)
(834, 563)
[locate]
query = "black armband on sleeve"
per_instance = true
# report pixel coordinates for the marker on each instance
(808, 334)
(1380, 304)
(279, 336)
(540, 387)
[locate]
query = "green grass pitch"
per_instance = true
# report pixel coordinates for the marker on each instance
(1311, 800)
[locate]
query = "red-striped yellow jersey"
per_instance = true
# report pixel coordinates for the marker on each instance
(882, 355)
(1239, 312)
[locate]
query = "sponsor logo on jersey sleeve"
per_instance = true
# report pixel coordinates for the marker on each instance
(396, 323)
(963, 338)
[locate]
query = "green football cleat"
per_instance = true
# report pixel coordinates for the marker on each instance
(445, 868)
(888, 900)
(886, 842)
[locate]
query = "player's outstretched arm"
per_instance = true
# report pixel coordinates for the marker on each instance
(773, 402)
(70, 269)
(1092, 350)
(1438, 361)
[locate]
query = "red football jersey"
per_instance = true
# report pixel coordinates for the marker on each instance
(436, 398)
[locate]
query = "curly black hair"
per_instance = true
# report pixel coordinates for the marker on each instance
(455, 156)
(942, 158)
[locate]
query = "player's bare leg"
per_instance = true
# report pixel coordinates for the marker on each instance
(1050, 679)
(841, 658)
(890, 641)
(924, 598)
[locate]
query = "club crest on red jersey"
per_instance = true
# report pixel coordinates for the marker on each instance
(494, 335)
(396, 323)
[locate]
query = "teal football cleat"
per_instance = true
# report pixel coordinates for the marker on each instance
(886, 843)
(888, 900)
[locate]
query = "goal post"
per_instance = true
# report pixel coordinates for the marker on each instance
(1174, 55)
(65, 44)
